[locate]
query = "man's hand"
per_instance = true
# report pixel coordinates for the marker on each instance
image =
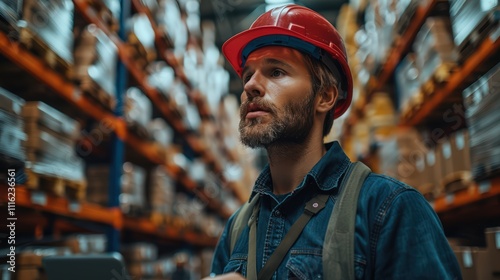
(229, 276)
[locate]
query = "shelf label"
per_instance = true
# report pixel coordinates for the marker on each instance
(449, 198)
(39, 198)
(74, 207)
(484, 186)
(467, 258)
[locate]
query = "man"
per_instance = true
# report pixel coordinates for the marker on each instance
(296, 79)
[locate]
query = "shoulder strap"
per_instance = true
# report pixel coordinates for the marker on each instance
(241, 220)
(338, 246)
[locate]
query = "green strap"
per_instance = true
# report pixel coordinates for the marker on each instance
(313, 206)
(241, 220)
(338, 247)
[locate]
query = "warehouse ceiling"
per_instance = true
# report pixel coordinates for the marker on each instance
(233, 16)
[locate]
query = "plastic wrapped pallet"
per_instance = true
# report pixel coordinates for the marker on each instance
(408, 84)
(436, 52)
(480, 100)
(162, 191)
(12, 133)
(52, 22)
(170, 22)
(10, 13)
(472, 20)
(141, 39)
(138, 108)
(161, 77)
(95, 64)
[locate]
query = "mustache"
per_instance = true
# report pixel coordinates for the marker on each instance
(265, 105)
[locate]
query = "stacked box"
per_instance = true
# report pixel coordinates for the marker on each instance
(408, 85)
(472, 21)
(161, 76)
(455, 164)
(50, 152)
(141, 40)
(171, 24)
(133, 180)
(493, 248)
(482, 107)
(436, 54)
(138, 111)
(52, 22)
(12, 134)
(95, 58)
(140, 259)
(162, 191)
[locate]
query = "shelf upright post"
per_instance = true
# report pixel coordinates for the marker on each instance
(118, 147)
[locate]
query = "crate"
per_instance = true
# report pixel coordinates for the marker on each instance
(58, 186)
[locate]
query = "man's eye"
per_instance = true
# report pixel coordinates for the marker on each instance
(246, 78)
(276, 73)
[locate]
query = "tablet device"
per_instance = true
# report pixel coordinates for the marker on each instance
(109, 266)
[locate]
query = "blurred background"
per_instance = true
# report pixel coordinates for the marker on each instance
(119, 124)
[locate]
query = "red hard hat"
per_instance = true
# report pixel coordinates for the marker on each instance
(300, 28)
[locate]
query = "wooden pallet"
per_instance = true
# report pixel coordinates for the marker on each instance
(483, 30)
(57, 186)
(37, 46)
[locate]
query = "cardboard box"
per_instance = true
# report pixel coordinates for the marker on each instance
(474, 263)
(493, 247)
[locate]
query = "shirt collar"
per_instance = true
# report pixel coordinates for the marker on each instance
(325, 174)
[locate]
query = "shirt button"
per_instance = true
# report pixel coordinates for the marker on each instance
(277, 213)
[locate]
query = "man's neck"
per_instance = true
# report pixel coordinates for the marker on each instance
(290, 163)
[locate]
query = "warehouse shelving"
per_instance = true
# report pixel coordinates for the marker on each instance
(480, 195)
(170, 114)
(111, 216)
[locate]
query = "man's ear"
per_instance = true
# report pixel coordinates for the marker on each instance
(326, 99)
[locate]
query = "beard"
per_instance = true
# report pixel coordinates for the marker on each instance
(290, 126)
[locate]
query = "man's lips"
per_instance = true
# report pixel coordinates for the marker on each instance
(254, 110)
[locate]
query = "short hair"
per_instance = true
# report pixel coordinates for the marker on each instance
(322, 79)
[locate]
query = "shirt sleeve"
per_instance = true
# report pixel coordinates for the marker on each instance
(411, 243)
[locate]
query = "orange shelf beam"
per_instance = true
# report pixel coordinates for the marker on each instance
(468, 197)
(143, 225)
(457, 81)
(63, 207)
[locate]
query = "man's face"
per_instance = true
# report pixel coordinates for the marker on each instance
(277, 101)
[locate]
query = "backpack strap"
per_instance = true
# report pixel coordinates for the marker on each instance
(241, 220)
(338, 246)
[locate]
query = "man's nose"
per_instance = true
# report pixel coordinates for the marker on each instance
(254, 86)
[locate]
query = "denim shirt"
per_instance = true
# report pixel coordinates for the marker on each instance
(397, 233)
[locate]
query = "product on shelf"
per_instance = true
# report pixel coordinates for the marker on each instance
(455, 162)
(10, 13)
(170, 23)
(94, 69)
(138, 111)
(408, 85)
(162, 136)
(132, 183)
(12, 133)
(480, 262)
(482, 107)
(86, 243)
(161, 76)
(436, 55)
(404, 11)
(472, 21)
(141, 40)
(109, 12)
(52, 163)
(47, 28)
(141, 258)
(162, 192)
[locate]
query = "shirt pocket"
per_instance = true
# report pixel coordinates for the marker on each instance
(237, 263)
(305, 264)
